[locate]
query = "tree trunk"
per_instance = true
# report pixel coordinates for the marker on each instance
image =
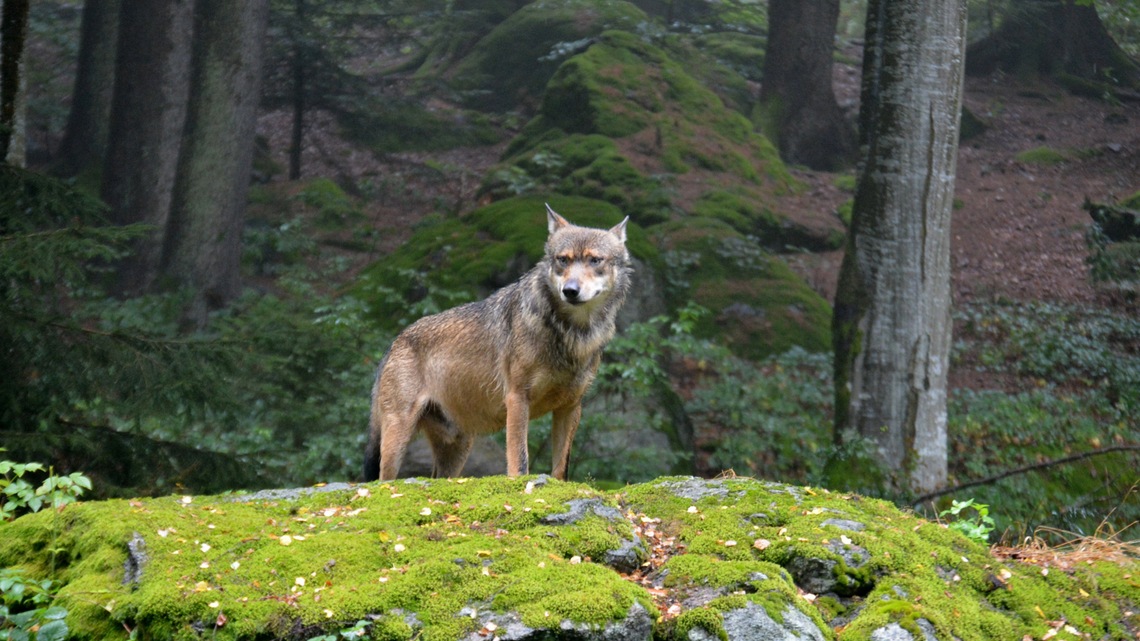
(203, 241)
(891, 323)
(84, 145)
(799, 111)
(298, 91)
(148, 115)
(1056, 38)
(13, 85)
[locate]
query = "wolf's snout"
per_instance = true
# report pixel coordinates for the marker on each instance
(571, 290)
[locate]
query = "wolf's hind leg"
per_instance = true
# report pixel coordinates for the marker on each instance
(565, 425)
(450, 446)
(398, 428)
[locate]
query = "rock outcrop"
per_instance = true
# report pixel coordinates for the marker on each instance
(533, 558)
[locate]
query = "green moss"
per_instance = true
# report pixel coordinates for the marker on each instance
(772, 308)
(705, 618)
(343, 548)
(1042, 155)
(470, 257)
(513, 63)
(741, 52)
(624, 88)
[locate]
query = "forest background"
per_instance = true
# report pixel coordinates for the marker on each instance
(224, 331)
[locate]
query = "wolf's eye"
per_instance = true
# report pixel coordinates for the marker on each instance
(563, 261)
(595, 261)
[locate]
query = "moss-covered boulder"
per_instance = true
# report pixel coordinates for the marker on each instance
(512, 63)
(454, 260)
(533, 558)
(759, 306)
(627, 123)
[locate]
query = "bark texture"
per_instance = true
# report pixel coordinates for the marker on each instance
(891, 324)
(298, 137)
(203, 241)
(148, 115)
(1053, 38)
(800, 112)
(13, 85)
(89, 121)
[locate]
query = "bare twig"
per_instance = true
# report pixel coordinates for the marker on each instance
(1022, 470)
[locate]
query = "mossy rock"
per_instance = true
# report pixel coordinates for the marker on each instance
(970, 125)
(407, 125)
(512, 64)
(759, 306)
(1042, 155)
(670, 140)
(741, 52)
(472, 256)
(442, 559)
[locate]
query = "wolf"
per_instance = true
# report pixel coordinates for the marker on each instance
(530, 348)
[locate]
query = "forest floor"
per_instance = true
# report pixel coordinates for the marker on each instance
(1018, 227)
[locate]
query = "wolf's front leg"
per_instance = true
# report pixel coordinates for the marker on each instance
(518, 419)
(565, 425)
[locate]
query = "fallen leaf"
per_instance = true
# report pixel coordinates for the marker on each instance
(285, 540)
(729, 544)
(399, 547)
(674, 609)
(529, 487)
(425, 512)
(574, 560)
(213, 604)
(300, 581)
(220, 621)
(692, 509)
(235, 565)
(163, 533)
(188, 500)
(205, 547)
(844, 540)
(761, 544)
(1039, 611)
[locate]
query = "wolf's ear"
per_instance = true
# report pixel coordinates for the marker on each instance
(554, 222)
(619, 229)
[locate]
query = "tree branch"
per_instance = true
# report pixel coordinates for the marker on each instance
(1021, 470)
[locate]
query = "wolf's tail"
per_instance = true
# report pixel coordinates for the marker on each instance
(372, 449)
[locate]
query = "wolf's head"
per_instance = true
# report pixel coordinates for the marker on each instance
(586, 266)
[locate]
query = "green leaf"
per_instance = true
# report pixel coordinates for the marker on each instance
(56, 612)
(55, 630)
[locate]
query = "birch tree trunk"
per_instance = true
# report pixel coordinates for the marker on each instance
(891, 324)
(800, 114)
(84, 145)
(203, 242)
(148, 115)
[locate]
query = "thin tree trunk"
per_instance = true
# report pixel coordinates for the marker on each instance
(13, 85)
(148, 116)
(891, 324)
(203, 242)
(799, 110)
(298, 90)
(84, 145)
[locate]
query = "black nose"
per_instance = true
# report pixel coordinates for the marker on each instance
(570, 291)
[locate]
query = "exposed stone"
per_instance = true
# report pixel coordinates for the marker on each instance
(696, 489)
(290, 494)
(752, 623)
(845, 524)
(628, 557)
(817, 575)
(895, 632)
(136, 560)
(580, 509)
